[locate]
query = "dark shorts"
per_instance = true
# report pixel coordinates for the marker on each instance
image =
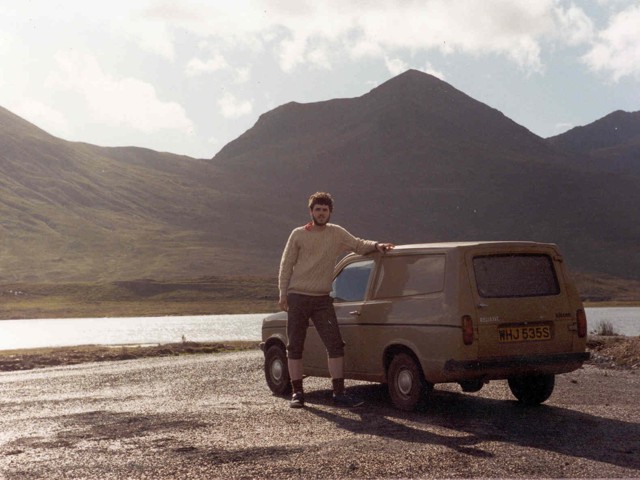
(321, 312)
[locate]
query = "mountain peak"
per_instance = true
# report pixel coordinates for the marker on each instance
(412, 111)
(414, 76)
(412, 82)
(615, 129)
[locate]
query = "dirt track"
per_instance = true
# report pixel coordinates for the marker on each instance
(212, 416)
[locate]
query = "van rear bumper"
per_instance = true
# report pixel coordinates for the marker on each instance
(524, 361)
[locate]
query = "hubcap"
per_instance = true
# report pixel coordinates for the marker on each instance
(277, 368)
(405, 381)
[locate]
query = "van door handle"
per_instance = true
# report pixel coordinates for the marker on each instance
(482, 305)
(355, 313)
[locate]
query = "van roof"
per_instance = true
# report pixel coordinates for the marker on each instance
(462, 245)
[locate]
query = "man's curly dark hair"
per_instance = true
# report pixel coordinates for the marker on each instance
(321, 198)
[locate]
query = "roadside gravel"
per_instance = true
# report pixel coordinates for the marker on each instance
(212, 416)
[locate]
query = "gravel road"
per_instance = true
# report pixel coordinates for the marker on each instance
(212, 416)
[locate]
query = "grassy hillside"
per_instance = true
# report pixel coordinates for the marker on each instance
(72, 211)
(201, 296)
(601, 290)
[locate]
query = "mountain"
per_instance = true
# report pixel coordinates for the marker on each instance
(417, 160)
(413, 160)
(610, 144)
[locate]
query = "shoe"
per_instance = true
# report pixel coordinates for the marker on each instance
(344, 400)
(297, 401)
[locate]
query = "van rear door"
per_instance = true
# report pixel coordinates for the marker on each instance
(520, 302)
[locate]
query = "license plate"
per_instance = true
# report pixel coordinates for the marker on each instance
(524, 334)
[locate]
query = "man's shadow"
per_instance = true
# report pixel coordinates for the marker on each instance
(543, 427)
(377, 417)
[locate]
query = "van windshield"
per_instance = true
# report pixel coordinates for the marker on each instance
(529, 275)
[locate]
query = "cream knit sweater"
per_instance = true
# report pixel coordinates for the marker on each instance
(310, 256)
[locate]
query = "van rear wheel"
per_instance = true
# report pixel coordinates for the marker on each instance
(471, 386)
(276, 370)
(532, 389)
(406, 384)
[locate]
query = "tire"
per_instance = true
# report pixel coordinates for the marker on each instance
(471, 386)
(276, 371)
(406, 384)
(532, 389)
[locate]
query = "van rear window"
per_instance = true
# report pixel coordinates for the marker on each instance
(515, 276)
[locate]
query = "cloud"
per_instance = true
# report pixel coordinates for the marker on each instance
(319, 58)
(292, 52)
(6, 42)
(197, 66)
(243, 74)
(563, 127)
(574, 25)
(395, 65)
(231, 107)
(432, 71)
(515, 29)
(116, 101)
(149, 34)
(316, 33)
(616, 50)
(217, 63)
(153, 37)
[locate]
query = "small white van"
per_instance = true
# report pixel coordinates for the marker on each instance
(467, 313)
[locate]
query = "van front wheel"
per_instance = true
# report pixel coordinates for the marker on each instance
(276, 370)
(532, 389)
(407, 387)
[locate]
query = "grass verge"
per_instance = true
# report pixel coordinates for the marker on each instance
(614, 351)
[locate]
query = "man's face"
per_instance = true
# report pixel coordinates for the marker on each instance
(320, 214)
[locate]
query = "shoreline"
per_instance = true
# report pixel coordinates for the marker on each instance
(35, 358)
(607, 352)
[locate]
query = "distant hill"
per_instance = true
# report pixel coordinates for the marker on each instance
(413, 160)
(73, 211)
(611, 143)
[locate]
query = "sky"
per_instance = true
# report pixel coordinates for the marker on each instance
(189, 76)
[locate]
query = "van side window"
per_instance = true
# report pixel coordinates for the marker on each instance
(515, 276)
(402, 276)
(351, 283)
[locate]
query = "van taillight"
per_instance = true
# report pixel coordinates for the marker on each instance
(467, 330)
(582, 323)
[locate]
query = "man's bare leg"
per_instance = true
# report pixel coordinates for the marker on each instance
(295, 369)
(336, 367)
(336, 370)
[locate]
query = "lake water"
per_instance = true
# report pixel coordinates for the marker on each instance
(127, 330)
(204, 328)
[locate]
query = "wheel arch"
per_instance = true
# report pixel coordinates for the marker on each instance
(275, 340)
(395, 348)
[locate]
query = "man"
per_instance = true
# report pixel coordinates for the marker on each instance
(306, 275)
